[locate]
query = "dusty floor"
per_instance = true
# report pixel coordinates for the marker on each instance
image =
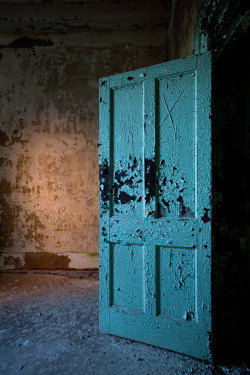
(49, 325)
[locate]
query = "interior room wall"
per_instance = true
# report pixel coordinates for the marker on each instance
(51, 58)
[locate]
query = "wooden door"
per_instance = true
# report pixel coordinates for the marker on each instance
(155, 186)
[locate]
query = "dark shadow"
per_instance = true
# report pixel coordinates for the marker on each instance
(231, 203)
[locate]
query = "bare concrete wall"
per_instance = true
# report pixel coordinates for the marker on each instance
(184, 16)
(49, 137)
(52, 55)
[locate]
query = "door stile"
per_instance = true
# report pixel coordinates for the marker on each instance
(150, 197)
(105, 150)
(204, 188)
(149, 148)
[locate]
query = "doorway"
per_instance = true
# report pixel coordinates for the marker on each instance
(231, 200)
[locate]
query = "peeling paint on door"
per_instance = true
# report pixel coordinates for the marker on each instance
(155, 237)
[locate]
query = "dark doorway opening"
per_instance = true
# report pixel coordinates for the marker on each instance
(231, 201)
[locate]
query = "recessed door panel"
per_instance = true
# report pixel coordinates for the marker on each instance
(127, 149)
(176, 295)
(127, 280)
(176, 131)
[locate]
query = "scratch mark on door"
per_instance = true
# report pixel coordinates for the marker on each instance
(170, 110)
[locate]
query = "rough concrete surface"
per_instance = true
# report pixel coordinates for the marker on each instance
(49, 325)
(49, 140)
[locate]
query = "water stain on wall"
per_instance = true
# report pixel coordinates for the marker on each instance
(49, 136)
(45, 260)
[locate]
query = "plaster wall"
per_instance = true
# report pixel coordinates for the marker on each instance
(181, 27)
(49, 137)
(52, 55)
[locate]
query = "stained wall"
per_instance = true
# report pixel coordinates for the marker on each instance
(181, 27)
(51, 59)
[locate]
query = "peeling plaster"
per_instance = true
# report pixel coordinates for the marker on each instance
(49, 137)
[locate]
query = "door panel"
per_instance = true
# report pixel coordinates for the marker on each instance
(155, 233)
(127, 276)
(127, 176)
(176, 282)
(176, 129)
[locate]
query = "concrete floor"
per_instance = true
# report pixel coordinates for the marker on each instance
(49, 325)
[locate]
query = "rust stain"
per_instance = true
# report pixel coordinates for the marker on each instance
(8, 219)
(5, 186)
(3, 138)
(34, 226)
(39, 261)
(6, 162)
(11, 261)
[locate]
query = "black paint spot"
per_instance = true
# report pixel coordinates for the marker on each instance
(120, 175)
(26, 42)
(205, 218)
(104, 231)
(150, 174)
(139, 199)
(120, 182)
(119, 196)
(104, 180)
(130, 78)
(124, 198)
(184, 211)
(104, 83)
(166, 204)
(134, 165)
(181, 207)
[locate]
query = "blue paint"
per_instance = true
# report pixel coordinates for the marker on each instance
(155, 234)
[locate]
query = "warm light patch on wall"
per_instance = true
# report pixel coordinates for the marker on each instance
(53, 190)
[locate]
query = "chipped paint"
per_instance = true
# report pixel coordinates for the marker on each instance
(155, 163)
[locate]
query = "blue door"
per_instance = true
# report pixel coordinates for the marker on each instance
(155, 186)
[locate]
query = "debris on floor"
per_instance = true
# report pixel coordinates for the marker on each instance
(49, 325)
